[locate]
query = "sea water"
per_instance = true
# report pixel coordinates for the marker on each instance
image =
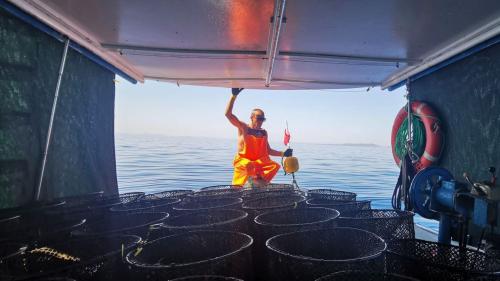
(152, 163)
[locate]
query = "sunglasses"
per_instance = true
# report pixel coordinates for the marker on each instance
(260, 118)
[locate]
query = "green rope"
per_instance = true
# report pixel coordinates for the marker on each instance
(418, 137)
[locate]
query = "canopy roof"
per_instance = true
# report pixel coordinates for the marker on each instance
(312, 44)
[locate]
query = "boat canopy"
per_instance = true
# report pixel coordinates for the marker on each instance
(268, 44)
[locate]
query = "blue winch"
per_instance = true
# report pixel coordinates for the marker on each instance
(464, 210)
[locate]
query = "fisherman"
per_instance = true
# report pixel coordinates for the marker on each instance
(252, 162)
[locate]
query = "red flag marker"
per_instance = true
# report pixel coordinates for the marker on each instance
(286, 138)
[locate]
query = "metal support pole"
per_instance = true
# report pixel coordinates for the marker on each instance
(51, 122)
(272, 50)
(409, 137)
(444, 235)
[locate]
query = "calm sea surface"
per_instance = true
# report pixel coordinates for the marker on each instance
(156, 163)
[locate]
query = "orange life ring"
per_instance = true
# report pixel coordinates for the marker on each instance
(433, 134)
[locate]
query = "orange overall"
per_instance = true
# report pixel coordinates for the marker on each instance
(253, 160)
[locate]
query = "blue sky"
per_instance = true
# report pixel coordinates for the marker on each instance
(319, 116)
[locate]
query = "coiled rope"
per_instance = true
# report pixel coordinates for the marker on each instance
(418, 139)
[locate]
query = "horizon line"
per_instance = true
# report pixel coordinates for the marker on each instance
(222, 138)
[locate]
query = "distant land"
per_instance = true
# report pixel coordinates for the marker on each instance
(121, 134)
(358, 144)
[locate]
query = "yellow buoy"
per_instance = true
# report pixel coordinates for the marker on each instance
(290, 164)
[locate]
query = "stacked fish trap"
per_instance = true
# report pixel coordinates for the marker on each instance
(205, 203)
(140, 223)
(344, 207)
(176, 193)
(90, 208)
(258, 206)
(330, 194)
(308, 255)
(206, 278)
(214, 219)
(355, 275)
(90, 258)
(258, 193)
(342, 201)
(219, 191)
(147, 204)
(434, 261)
(278, 222)
(203, 252)
(388, 224)
(32, 226)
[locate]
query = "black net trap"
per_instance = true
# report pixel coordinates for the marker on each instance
(355, 275)
(329, 194)
(83, 199)
(219, 192)
(206, 278)
(9, 250)
(144, 204)
(191, 204)
(280, 185)
(273, 203)
(193, 253)
(176, 193)
(222, 187)
(342, 207)
(215, 219)
(257, 193)
(285, 221)
(434, 261)
(31, 212)
(140, 224)
(8, 224)
(388, 224)
(96, 208)
(55, 278)
(307, 255)
(90, 258)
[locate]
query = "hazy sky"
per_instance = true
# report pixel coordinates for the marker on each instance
(320, 116)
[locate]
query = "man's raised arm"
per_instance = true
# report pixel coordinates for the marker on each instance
(229, 109)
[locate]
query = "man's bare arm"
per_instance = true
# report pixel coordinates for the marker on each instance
(229, 113)
(273, 152)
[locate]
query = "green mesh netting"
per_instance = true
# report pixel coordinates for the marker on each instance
(418, 137)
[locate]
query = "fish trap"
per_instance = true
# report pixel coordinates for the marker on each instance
(91, 258)
(221, 187)
(258, 206)
(215, 219)
(94, 209)
(176, 193)
(365, 276)
(191, 204)
(140, 224)
(7, 224)
(308, 255)
(193, 253)
(144, 204)
(83, 199)
(388, 224)
(285, 221)
(434, 261)
(330, 194)
(257, 193)
(206, 278)
(342, 207)
(280, 185)
(219, 192)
